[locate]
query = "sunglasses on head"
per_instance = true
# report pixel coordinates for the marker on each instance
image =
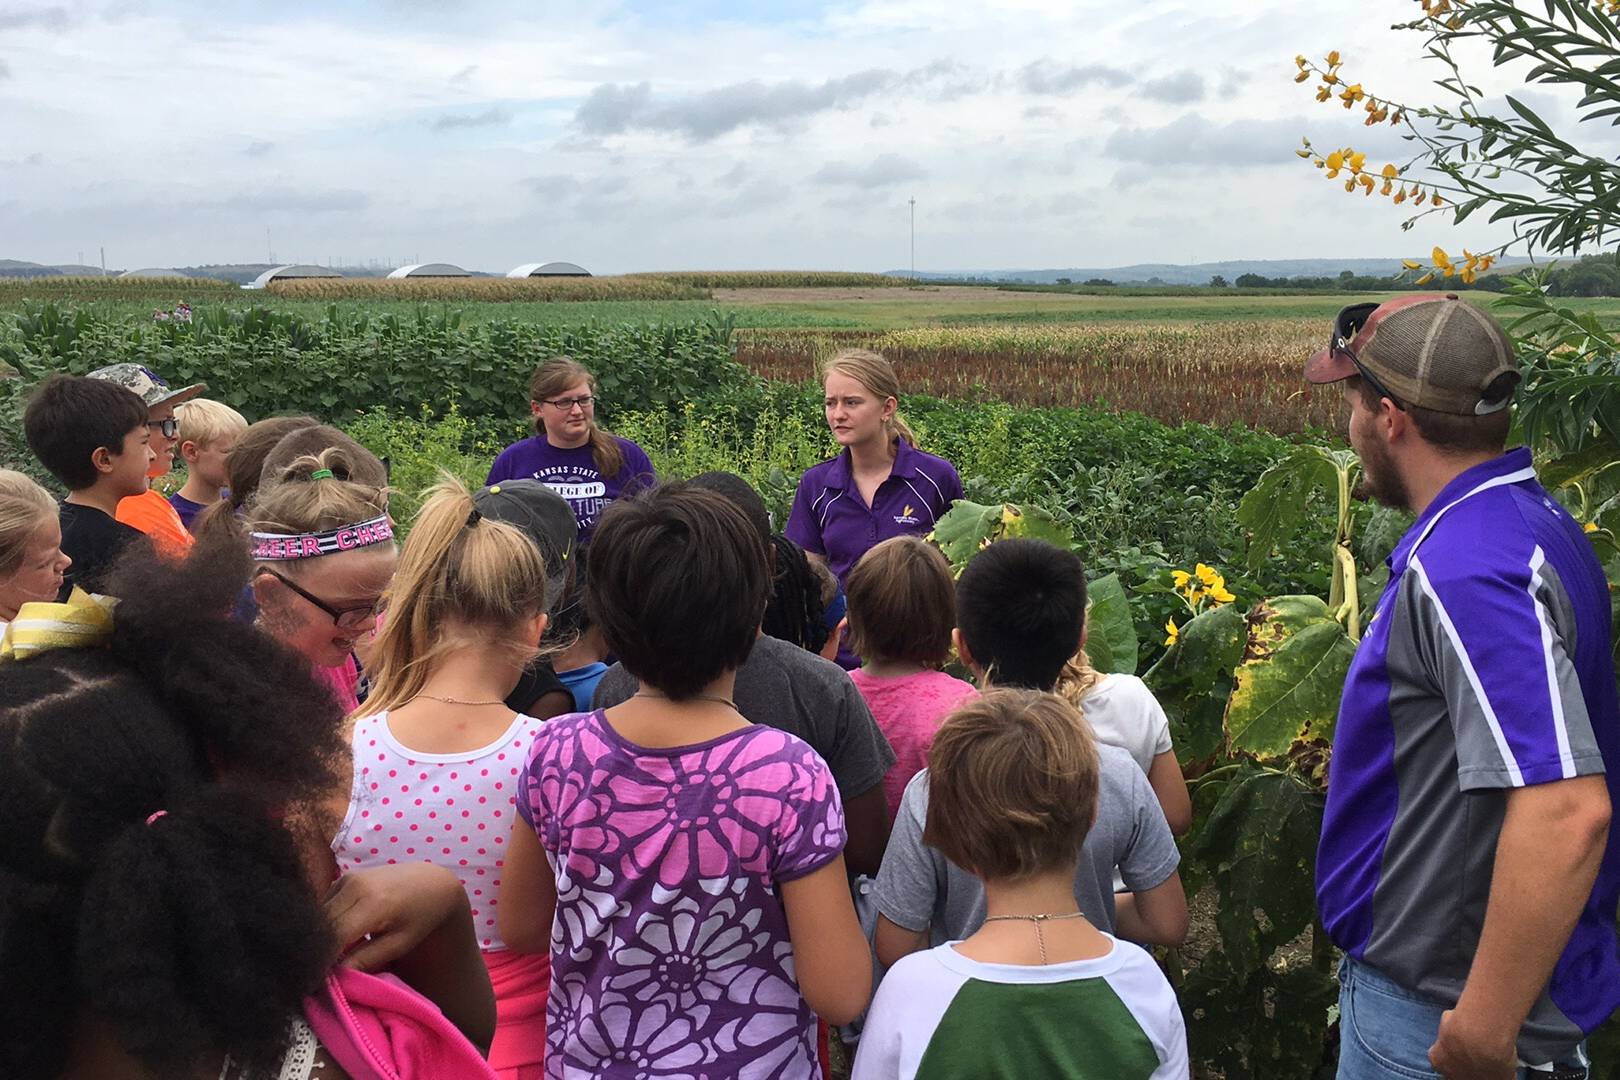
(1346, 325)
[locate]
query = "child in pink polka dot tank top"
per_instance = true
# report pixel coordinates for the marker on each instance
(437, 761)
(453, 810)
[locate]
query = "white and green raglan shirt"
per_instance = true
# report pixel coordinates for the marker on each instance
(940, 1016)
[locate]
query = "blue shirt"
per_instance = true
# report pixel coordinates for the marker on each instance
(830, 518)
(1487, 667)
(581, 682)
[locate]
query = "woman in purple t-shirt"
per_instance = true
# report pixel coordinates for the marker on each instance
(881, 486)
(568, 453)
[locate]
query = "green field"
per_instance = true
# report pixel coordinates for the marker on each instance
(836, 308)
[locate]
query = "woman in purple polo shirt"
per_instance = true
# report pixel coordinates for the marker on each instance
(881, 485)
(568, 453)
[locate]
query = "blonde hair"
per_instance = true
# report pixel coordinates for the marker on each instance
(559, 374)
(291, 500)
(202, 421)
(1078, 678)
(902, 603)
(457, 567)
(874, 372)
(24, 508)
(1012, 788)
(242, 468)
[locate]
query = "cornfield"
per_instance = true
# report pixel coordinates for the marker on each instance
(132, 290)
(1215, 373)
(488, 289)
(777, 279)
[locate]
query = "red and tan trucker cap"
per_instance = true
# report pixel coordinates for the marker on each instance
(1432, 350)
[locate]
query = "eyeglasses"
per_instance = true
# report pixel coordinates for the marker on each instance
(566, 404)
(167, 428)
(347, 619)
(1346, 326)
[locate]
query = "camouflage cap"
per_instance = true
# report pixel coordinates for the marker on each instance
(147, 384)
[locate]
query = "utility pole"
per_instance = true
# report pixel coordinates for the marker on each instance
(104, 261)
(913, 202)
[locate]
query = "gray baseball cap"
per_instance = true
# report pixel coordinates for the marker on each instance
(147, 384)
(546, 517)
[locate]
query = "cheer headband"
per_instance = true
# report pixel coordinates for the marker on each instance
(285, 547)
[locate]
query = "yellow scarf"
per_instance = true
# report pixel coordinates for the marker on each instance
(84, 620)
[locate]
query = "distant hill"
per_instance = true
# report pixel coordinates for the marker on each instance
(1178, 274)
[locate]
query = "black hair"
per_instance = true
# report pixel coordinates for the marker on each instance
(742, 493)
(70, 417)
(796, 612)
(188, 936)
(678, 586)
(1021, 608)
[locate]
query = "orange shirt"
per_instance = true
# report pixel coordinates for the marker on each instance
(151, 513)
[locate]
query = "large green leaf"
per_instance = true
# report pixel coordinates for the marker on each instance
(1111, 629)
(1207, 648)
(968, 527)
(964, 528)
(1278, 503)
(1269, 1024)
(1288, 687)
(1580, 466)
(1259, 848)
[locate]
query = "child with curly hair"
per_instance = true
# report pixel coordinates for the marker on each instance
(158, 911)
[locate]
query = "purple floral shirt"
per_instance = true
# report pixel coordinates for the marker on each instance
(670, 954)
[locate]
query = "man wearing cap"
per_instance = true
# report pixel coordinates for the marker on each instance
(151, 512)
(1466, 866)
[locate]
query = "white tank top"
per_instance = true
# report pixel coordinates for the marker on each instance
(451, 810)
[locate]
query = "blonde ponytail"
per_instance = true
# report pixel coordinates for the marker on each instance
(458, 571)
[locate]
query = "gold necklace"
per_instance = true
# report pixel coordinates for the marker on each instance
(457, 701)
(695, 697)
(1040, 939)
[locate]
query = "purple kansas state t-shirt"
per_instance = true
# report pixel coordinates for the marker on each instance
(573, 474)
(670, 954)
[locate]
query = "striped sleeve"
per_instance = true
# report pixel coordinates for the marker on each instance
(1494, 641)
(804, 523)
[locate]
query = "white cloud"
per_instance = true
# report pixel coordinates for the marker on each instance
(1032, 132)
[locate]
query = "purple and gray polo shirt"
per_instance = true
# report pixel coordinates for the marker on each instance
(1487, 667)
(830, 518)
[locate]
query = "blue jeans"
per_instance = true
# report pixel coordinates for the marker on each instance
(1385, 1030)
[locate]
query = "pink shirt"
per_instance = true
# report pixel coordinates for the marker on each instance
(909, 709)
(452, 810)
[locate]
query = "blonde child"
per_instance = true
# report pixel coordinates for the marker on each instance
(208, 432)
(323, 551)
(683, 866)
(902, 607)
(1037, 990)
(436, 760)
(32, 564)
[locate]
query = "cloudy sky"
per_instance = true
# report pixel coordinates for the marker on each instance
(690, 134)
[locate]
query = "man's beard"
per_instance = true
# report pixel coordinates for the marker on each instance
(1380, 480)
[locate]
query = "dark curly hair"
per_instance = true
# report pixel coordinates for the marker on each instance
(195, 936)
(796, 612)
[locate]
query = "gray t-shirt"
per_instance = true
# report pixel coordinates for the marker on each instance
(918, 887)
(782, 686)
